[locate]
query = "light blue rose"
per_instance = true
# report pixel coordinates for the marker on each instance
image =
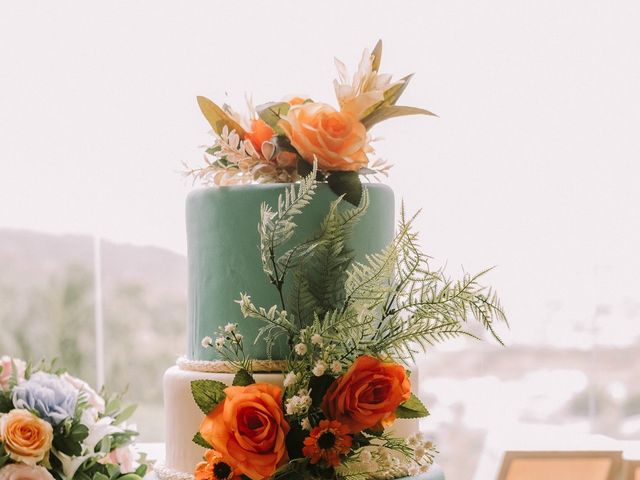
(50, 396)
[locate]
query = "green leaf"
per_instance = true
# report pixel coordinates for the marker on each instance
(377, 56)
(347, 184)
(100, 476)
(218, 118)
(130, 476)
(390, 111)
(243, 378)
(271, 113)
(126, 413)
(207, 394)
(198, 439)
(412, 408)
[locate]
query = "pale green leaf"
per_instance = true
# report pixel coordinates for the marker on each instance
(218, 118)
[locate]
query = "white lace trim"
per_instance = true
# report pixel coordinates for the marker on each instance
(165, 473)
(220, 366)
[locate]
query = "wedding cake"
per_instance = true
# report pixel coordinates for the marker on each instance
(307, 299)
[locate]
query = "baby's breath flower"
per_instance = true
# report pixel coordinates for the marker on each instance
(230, 327)
(300, 349)
(290, 379)
(319, 368)
(298, 404)
(316, 339)
(336, 366)
(206, 342)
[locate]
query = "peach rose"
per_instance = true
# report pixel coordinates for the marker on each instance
(337, 139)
(6, 370)
(249, 429)
(26, 438)
(20, 471)
(367, 395)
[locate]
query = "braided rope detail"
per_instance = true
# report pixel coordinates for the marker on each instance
(220, 366)
(165, 473)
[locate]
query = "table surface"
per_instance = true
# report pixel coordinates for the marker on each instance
(155, 451)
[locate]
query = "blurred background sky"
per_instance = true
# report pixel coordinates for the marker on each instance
(532, 166)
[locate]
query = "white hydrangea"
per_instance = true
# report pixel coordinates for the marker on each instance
(230, 327)
(300, 349)
(290, 379)
(206, 342)
(319, 368)
(316, 339)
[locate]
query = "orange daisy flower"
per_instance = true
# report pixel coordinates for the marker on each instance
(327, 442)
(214, 468)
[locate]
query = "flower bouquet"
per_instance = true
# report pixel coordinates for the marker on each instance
(55, 426)
(279, 141)
(353, 330)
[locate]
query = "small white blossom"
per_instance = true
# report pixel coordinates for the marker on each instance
(300, 348)
(230, 327)
(420, 452)
(316, 339)
(290, 379)
(219, 342)
(207, 342)
(413, 441)
(366, 457)
(319, 368)
(413, 470)
(305, 424)
(336, 366)
(424, 468)
(239, 337)
(298, 404)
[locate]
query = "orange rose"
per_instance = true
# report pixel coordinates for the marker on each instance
(367, 395)
(260, 132)
(214, 467)
(337, 139)
(249, 429)
(26, 438)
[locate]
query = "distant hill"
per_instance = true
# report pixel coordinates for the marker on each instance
(28, 259)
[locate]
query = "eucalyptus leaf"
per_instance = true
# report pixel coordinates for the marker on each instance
(207, 394)
(347, 184)
(126, 413)
(412, 408)
(218, 118)
(390, 111)
(271, 113)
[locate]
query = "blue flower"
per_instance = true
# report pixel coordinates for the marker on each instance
(48, 395)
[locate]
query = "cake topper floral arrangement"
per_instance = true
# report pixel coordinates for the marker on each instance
(279, 141)
(55, 426)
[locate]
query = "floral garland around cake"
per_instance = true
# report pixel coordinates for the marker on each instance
(353, 330)
(279, 141)
(54, 426)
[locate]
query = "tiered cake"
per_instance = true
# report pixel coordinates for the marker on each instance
(224, 261)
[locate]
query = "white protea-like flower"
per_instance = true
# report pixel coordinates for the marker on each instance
(230, 327)
(364, 90)
(300, 349)
(206, 342)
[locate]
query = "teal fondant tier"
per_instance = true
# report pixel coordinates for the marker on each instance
(224, 260)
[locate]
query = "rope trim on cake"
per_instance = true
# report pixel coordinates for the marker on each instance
(165, 473)
(220, 366)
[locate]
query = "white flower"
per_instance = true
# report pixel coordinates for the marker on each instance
(298, 404)
(230, 327)
(366, 88)
(219, 342)
(300, 349)
(290, 379)
(206, 342)
(424, 468)
(366, 457)
(319, 368)
(336, 366)
(316, 339)
(305, 424)
(420, 452)
(413, 441)
(239, 337)
(413, 470)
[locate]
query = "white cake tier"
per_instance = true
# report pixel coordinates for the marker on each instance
(183, 417)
